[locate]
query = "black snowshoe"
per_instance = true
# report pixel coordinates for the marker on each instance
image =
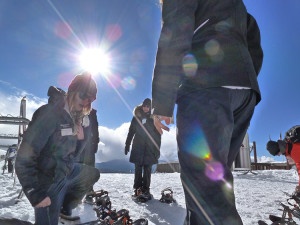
(167, 196)
(144, 197)
(141, 195)
(285, 219)
(107, 216)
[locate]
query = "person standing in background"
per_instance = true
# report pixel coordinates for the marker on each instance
(208, 59)
(145, 149)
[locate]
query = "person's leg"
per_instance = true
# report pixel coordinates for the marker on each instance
(147, 178)
(79, 181)
(205, 123)
(10, 166)
(49, 215)
(138, 176)
(242, 116)
(90, 161)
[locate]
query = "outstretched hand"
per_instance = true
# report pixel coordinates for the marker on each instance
(159, 125)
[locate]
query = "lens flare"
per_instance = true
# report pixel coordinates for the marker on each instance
(214, 171)
(189, 65)
(114, 32)
(196, 143)
(213, 49)
(62, 30)
(128, 83)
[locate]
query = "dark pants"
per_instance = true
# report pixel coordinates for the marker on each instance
(211, 126)
(10, 165)
(67, 193)
(142, 176)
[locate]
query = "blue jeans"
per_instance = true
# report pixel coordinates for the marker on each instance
(211, 125)
(68, 193)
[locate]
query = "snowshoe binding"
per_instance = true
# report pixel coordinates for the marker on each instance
(167, 196)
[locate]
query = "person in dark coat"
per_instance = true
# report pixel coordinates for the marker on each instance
(208, 59)
(145, 149)
(10, 158)
(45, 165)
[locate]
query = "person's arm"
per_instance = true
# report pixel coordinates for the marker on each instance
(254, 45)
(130, 135)
(174, 43)
(35, 138)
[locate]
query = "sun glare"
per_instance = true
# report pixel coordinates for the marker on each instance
(95, 60)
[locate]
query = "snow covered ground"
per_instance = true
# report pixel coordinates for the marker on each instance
(256, 196)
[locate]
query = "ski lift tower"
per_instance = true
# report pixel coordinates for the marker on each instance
(20, 120)
(243, 159)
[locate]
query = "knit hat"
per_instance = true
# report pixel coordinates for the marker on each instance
(147, 102)
(273, 147)
(85, 84)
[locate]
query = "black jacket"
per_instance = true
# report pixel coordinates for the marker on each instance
(48, 149)
(204, 44)
(146, 140)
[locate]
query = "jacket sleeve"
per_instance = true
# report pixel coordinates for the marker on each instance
(174, 43)
(254, 43)
(131, 132)
(95, 131)
(35, 138)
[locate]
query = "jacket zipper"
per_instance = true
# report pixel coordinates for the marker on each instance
(201, 25)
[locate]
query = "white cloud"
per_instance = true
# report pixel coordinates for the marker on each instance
(112, 144)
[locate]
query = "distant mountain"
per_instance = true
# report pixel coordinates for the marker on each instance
(116, 166)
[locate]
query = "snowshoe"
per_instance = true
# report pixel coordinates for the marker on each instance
(137, 192)
(13, 221)
(140, 222)
(261, 222)
(167, 196)
(274, 218)
(144, 197)
(69, 218)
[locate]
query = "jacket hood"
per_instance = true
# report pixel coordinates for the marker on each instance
(56, 95)
(139, 112)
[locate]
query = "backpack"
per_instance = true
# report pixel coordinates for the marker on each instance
(293, 134)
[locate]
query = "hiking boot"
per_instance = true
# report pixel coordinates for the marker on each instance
(146, 194)
(137, 192)
(66, 212)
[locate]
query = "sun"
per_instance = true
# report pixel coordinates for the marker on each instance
(95, 60)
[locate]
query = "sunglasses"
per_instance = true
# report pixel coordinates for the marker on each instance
(83, 96)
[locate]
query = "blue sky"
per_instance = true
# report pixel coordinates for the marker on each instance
(39, 50)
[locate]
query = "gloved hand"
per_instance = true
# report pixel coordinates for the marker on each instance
(127, 149)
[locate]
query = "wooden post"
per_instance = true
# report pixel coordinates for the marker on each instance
(255, 156)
